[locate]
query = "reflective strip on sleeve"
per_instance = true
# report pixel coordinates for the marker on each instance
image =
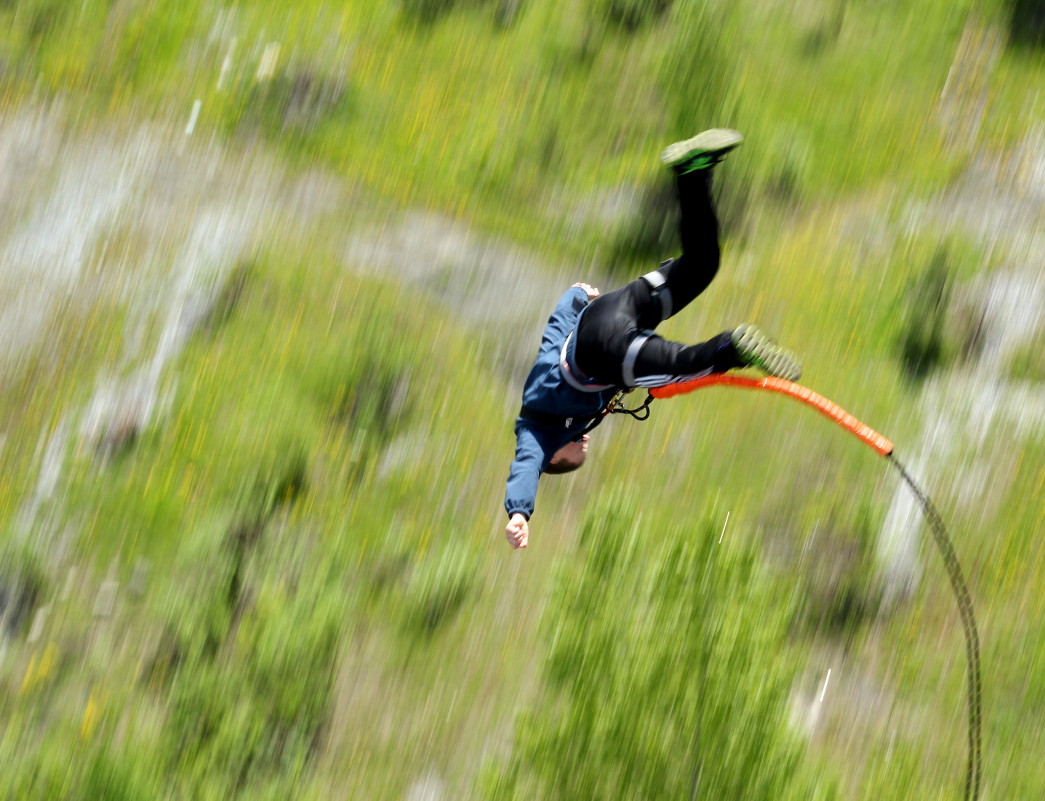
(664, 380)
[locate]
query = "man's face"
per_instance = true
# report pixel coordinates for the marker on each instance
(571, 455)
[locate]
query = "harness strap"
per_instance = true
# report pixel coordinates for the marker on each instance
(655, 279)
(627, 369)
(660, 291)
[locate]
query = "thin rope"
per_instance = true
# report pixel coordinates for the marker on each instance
(972, 638)
(640, 413)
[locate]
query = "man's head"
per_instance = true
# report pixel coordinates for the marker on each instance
(569, 457)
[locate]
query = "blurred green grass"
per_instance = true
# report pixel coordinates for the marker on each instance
(329, 611)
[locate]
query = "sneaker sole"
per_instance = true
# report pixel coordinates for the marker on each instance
(758, 350)
(717, 141)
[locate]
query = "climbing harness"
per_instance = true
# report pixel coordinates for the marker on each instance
(973, 772)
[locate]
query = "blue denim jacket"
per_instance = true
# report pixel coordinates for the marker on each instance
(547, 391)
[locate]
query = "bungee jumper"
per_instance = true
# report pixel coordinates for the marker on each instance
(595, 347)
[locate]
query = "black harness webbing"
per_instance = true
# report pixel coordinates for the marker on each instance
(640, 413)
(615, 406)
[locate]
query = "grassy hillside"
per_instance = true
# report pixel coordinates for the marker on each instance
(272, 276)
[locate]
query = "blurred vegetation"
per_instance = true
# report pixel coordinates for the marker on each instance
(649, 642)
(922, 338)
(291, 583)
(1027, 25)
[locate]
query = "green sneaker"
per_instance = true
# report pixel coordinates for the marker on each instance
(757, 350)
(702, 151)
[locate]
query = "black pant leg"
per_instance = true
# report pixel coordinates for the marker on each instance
(608, 327)
(662, 357)
(691, 273)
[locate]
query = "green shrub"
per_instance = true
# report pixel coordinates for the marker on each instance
(290, 641)
(42, 18)
(52, 770)
(430, 11)
(23, 584)
(439, 587)
(631, 15)
(254, 711)
(661, 656)
(921, 341)
(201, 701)
(233, 288)
(1027, 22)
(427, 11)
(827, 30)
(651, 231)
(508, 12)
(697, 72)
(197, 611)
(841, 590)
(296, 100)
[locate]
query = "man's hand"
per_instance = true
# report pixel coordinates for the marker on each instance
(589, 289)
(517, 531)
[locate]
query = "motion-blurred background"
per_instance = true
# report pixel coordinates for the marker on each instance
(271, 275)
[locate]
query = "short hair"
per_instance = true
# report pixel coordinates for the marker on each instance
(562, 466)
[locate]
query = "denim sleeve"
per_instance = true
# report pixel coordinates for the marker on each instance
(564, 318)
(520, 494)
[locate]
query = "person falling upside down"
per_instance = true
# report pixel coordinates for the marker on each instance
(595, 346)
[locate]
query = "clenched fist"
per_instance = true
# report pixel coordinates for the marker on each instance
(517, 532)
